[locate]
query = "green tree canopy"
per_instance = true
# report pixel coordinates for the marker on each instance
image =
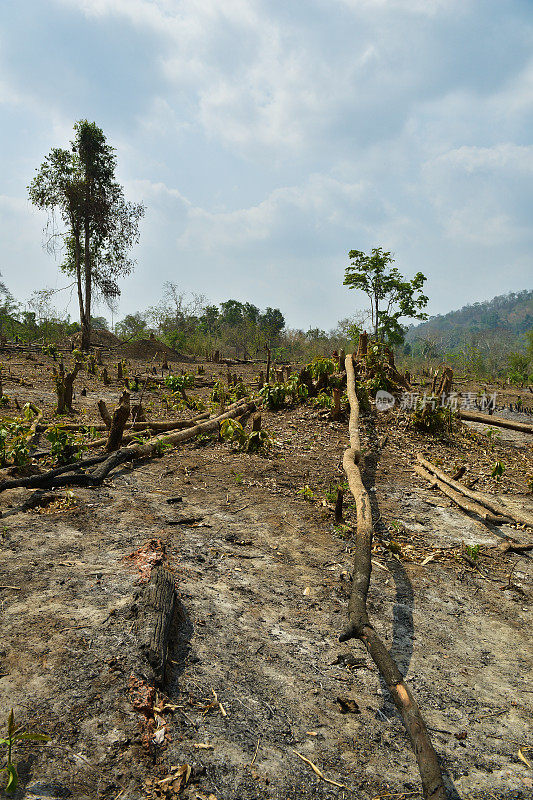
(391, 296)
(99, 225)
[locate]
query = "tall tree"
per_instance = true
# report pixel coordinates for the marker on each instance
(391, 296)
(100, 226)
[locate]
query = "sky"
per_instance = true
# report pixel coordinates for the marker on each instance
(267, 138)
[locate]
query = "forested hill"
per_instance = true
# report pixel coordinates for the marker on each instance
(511, 314)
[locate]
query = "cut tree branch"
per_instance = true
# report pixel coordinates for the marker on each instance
(359, 626)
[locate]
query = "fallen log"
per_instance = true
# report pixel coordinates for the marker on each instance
(460, 499)
(153, 447)
(359, 626)
(156, 609)
(156, 425)
(491, 503)
(474, 416)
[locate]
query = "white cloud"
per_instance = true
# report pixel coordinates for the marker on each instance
(506, 156)
(423, 7)
(295, 212)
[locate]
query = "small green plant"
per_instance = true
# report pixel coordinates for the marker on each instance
(197, 404)
(65, 447)
(239, 391)
(231, 431)
(307, 493)
(429, 417)
(331, 492)
(160, 447)
(321, 367)
(493, 436)
(258, 442)
(497, 470)
(15, 735)
(472, 551)
(298, 392)
(50, 350)
(204, 438)
(322, 400)
(273, 396)
(396, 526)
(14, 442)
(219, 393)
(178, 383)
(343, 530)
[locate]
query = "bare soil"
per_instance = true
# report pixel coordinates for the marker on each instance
(255, 673)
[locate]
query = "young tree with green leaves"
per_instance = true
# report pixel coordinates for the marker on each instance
(100, 226)
(391, 296)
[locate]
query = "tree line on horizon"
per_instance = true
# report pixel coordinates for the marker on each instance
(77, 186)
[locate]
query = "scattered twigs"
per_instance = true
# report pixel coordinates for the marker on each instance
(359, 626)
(481, 498)
(474, 416)
(320, 773)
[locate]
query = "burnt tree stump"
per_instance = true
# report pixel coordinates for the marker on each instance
(64, 387)
(118, 423)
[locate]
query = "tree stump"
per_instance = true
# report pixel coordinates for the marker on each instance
(256, 422)
(362, 348)
(137, 413)
(64, 387)
(336, 403)
(446, 382)
(105, 377)
(120, 372)
(104, 413)
(120, 417)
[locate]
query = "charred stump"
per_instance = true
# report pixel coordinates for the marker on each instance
(118, 423)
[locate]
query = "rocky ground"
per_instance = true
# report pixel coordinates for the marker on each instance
(257, 687)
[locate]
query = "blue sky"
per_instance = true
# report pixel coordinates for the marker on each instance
(269, 138)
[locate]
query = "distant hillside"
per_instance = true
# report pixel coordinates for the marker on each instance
(509, 315)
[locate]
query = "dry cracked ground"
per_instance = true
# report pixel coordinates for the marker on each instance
(257, 686)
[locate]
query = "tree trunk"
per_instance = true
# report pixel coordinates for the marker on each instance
(268, 366)
(86, 325)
